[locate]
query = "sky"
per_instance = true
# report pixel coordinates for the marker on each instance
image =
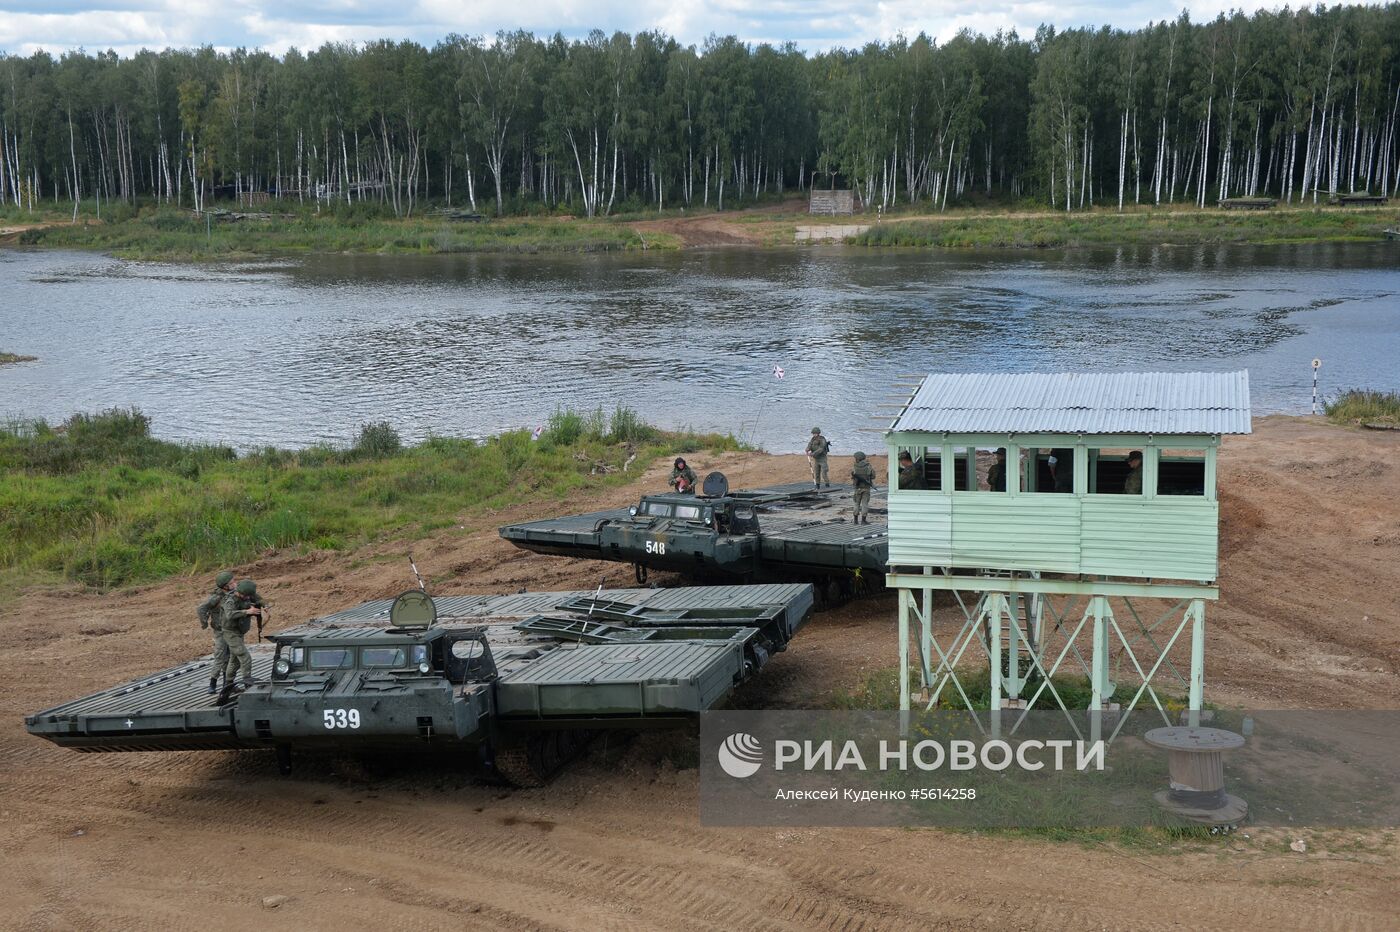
(815, 25)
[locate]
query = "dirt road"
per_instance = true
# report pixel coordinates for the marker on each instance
(1309, 618)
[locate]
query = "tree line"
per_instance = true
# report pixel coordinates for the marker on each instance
(1298, 105)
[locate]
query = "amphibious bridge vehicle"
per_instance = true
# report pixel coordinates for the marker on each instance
(522, 681)
(792, 533)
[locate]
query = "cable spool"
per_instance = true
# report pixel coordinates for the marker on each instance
(1196, 766)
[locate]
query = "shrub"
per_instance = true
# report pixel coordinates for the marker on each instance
(595, 424)
(378, 440)
(1364, 406)
(628, 427)
(564, 428)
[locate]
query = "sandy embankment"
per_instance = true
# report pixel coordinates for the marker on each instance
(1308, 618)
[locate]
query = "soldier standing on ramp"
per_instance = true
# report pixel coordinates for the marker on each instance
(863, 483)
(208, 613)
(237, 609)
(817, 449)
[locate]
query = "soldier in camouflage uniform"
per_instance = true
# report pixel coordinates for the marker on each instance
(236, 613)
(682, 476)
(1132, 483)
(208, 614)
(817, 449)
(911, 474)
(863, 483)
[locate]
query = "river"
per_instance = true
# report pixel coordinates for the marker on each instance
(291, 352)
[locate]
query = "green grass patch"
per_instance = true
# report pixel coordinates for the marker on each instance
(99, 501)
(7, 358)
(1363, 406)
(1145, 227)
(168, 233)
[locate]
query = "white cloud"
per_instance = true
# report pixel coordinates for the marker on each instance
(127, 25)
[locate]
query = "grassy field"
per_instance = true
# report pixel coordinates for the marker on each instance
(99, 501)
(1180, 226)
(168, 233)
(162, 232)
(1362, 406)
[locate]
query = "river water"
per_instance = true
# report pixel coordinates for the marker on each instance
(294, 351)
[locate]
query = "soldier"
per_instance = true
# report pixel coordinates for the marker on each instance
(1132, 483)
(208, 614)
(682, 476)
(1062, 468)
(996, 473)
(911, 476)
(237, 609)
(863, 482)
(817, 449)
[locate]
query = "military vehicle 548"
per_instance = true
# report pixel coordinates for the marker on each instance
(522, 680)
(785, 532)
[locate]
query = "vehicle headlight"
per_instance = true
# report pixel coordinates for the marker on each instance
(632, 511)
(282, 667)
(423, 666)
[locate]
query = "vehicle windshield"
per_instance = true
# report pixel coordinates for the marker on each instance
(688, 511)
(330, 658)
(395, 656)
(656, 509)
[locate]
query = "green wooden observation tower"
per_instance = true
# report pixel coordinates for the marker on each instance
(1073, 519)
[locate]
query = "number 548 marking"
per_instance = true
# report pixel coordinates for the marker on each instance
(657, 547)
(341, 718)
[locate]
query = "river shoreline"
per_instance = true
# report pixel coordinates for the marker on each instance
(168, 233)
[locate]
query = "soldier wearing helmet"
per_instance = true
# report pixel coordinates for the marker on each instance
(817, 449)
(682, 476)
(862, 484)
(208, 614)
(236, 613)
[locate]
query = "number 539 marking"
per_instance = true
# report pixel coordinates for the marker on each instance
(341, 718)
(657, 547)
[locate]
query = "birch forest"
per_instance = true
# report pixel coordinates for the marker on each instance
(1296, 105)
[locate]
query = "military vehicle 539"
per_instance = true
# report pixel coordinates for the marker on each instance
(522, 681)
(786, 532)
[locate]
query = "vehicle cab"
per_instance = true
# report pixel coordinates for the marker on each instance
(686, 533)
(407, 683)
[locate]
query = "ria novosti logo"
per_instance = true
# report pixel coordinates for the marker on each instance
(740, 755)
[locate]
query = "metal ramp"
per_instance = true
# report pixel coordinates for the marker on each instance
(629, 614)
(629, 681)
(583, 630)
(168, 710)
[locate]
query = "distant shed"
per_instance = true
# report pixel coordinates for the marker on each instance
(831, 203)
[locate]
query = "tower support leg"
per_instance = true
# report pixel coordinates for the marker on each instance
(1198, 660)
(904, 597)
(1098, 675)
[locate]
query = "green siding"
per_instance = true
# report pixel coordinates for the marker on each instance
(921, 529)
(1150, 537)
(1153, 538)
(1021, 532)
(1166, 538)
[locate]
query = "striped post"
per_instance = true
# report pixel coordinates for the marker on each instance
(1317, 363)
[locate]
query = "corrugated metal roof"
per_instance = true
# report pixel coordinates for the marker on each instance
(1081, 402)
